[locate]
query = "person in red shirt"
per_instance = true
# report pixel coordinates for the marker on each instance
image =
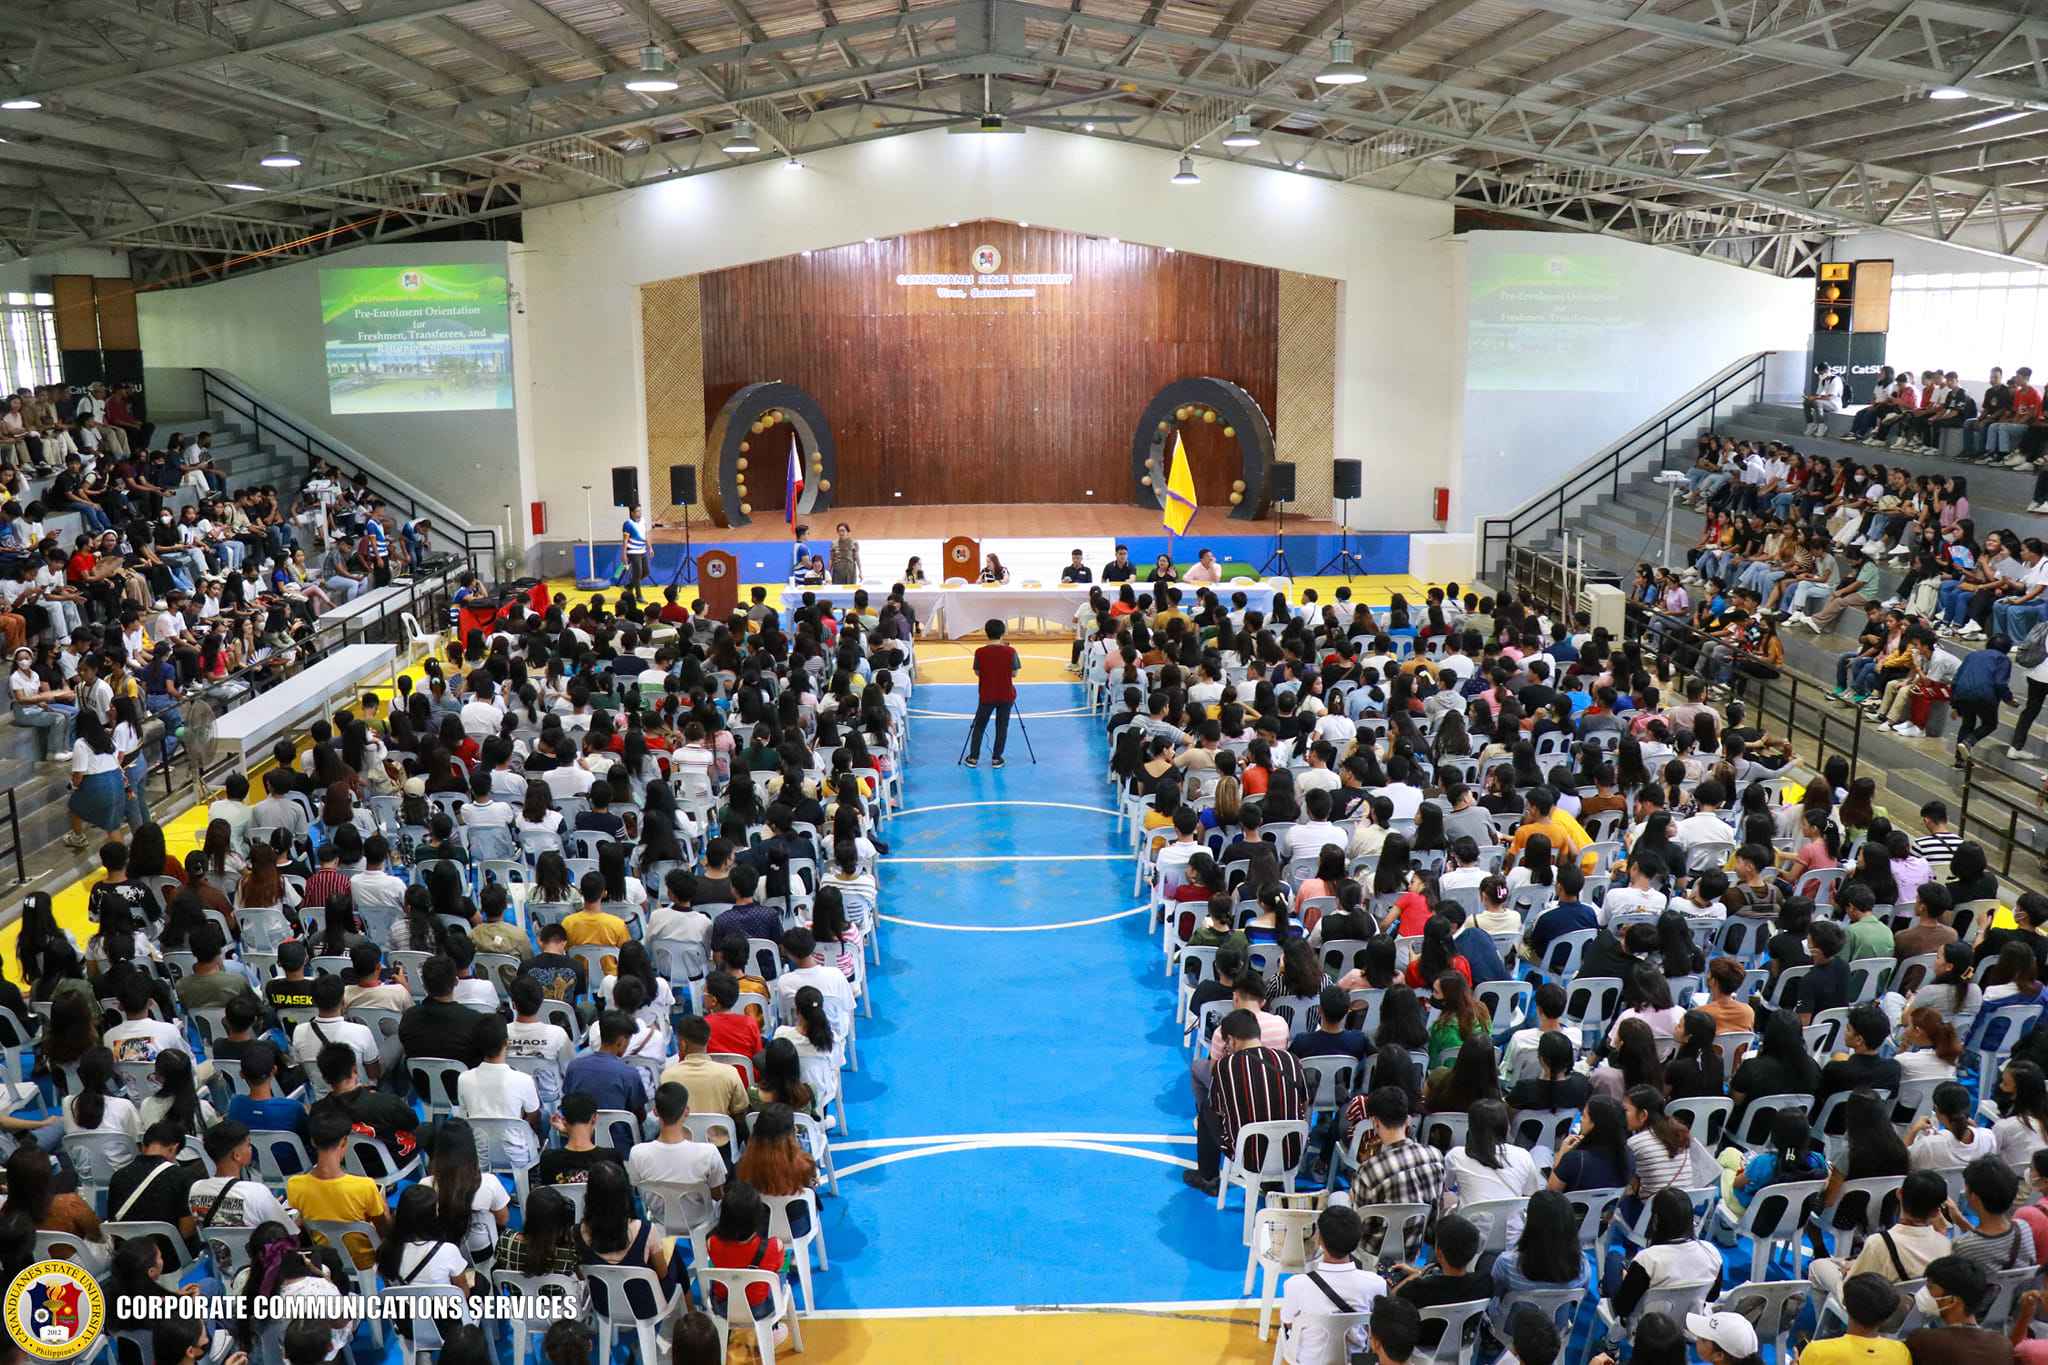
(995, 667)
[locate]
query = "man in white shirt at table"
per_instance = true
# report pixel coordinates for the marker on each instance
(1205, 569)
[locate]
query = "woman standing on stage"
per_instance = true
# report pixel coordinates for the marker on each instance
(845, 556)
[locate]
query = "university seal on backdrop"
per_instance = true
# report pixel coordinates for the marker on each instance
(986, 260)
(55, 1311)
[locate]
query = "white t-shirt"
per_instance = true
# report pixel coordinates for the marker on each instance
(690, 1163)
(307, 1041)
(121, 1116)
(1304, 1335)
(495, 1090)
(1407, 799)
(482, 716)
(1309, 839)
(477, 993)
(249, 1205)
(831, 983)
(1627, 900)
(570, 780)
(1938, 1148)
(483, 1222)
(1517, 1178)
(141, 1040)
(87, 761)
(432, 1263)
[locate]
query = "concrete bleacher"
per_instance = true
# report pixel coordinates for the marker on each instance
(1626, 527)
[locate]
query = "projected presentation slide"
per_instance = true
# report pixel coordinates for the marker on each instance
(1554, 323)
(416, 338)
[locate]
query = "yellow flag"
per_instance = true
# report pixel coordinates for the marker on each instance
(1179, 507)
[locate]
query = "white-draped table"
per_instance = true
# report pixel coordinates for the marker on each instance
(950, 613)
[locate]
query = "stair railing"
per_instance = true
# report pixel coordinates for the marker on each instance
(1546, 513)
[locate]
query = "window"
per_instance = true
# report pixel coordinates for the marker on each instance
(28, 341)
(1969, 323)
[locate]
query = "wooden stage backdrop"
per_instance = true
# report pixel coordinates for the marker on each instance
(937, 399)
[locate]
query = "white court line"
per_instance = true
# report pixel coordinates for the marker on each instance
(1069, 714)
(984, 805)
(1018, 928)
(1029, 1310)
(1000, 1141)
(951, 1139)
(1020, 858)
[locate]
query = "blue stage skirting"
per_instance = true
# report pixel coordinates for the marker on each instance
(768, 561)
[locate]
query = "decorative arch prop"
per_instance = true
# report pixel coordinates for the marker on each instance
(733, 456)
(1242, 418)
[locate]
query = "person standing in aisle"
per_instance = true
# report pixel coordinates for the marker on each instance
(845, 556)
(633, 546)
(996, 665)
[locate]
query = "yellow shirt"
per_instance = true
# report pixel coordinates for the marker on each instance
(595, 926)
(1566, 834)
(1846, 1350)
(344, 1199)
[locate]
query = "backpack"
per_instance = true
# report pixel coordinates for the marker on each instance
(2034, 649)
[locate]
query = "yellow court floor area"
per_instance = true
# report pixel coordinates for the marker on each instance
(1078, 1337)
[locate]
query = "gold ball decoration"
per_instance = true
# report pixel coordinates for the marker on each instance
(1832, 292)
(1236, 498)
(1230, 431)
(744, 447)
(1208, 416)
(824, 485)
(1833, 319)
(758, 427)
(748, 508)
(1181, 414)
(1237, 485)
(1146, 480)
(817, 461)
(1166, 426)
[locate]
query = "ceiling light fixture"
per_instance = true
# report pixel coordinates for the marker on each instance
(21, 104)
(1241, 133)
(1088, 127)
(1343, 68)
(1694, 142)
(1186, 174)
(742, 142)
(281, 157)
(792, 165)
(653, 77)
(241, 185)
(1948, 92)
(1301, 165)
(432, 189)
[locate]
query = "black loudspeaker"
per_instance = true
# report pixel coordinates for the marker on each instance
(625, 485)
(1280, 481)
(682, 485)
(1345, 480)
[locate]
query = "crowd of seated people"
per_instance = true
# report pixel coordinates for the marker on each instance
(593, 922)
(1657, 971)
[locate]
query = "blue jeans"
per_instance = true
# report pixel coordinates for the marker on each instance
(1805, 596)
(2004, 437)
(95, 520)
(2013, 621)
(160, 705)
(55, 719)
(1954, 600)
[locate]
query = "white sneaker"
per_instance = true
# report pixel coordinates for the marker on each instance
(1909, 730)
(2017, 461)
(2014, 751)
(2037, 507)
(1902, 552)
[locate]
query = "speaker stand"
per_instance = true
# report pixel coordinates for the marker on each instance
(1346, 560)
(1276, 562)
(590, 582)
(686, 570)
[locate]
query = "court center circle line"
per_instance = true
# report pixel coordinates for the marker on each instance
(999, 1141)
(1018, 928)
(983, 805)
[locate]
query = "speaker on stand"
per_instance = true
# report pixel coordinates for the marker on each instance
(682, 491)
(1346, 483)
(1280, 491)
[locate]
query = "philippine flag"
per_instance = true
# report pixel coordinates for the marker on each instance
(794, 488)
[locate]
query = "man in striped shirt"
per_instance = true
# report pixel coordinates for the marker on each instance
(1939, 843)
(1250, 1083)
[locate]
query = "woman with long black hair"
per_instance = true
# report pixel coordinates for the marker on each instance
(99, 789)
(1545, 1255)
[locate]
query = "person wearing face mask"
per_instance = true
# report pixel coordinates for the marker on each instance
(52, 711)
(1956, 1288)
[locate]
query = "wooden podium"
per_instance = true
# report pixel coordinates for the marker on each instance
(962, 556)
(718, 583)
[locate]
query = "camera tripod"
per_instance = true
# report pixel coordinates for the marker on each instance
(1016, 714)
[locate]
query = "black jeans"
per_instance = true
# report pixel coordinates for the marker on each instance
(2037, 692)
(1001, 710)
(1979, 719)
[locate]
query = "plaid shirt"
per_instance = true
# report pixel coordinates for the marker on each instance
(1408, 1172)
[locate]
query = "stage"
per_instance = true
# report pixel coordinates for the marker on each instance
(1033, 540)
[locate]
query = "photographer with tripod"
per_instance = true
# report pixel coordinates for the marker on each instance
(996, 665)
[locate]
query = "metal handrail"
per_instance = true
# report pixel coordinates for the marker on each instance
(265, 419)
(1548, 511)
(2002, 829)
